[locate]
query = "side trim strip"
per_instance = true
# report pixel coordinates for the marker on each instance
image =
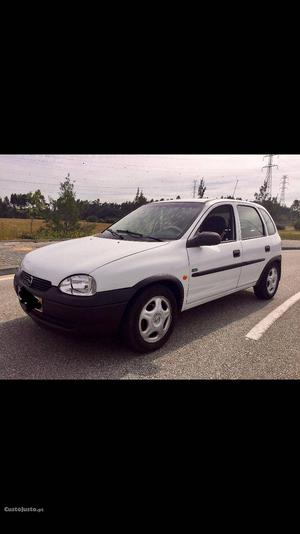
(228, 267)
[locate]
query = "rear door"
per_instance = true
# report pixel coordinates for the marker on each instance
(255, 244)
(215, 269)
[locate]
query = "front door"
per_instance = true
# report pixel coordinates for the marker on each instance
(215, 269)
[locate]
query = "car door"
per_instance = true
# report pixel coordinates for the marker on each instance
(255, 244)
(215, 269)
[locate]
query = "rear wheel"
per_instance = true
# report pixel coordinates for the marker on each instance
(268, 284)
(150, 319)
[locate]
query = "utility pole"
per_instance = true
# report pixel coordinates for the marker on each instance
(194, 188)
(268, 178)
(283, 187)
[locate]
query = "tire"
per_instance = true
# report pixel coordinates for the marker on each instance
(268, 284)
(150, 319)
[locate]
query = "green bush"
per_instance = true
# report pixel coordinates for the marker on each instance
(51, 234)
(92, 218)
(28, 236)
(297, 225)
(280, 226)
(107, 220)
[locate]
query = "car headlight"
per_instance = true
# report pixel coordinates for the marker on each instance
(81, 285)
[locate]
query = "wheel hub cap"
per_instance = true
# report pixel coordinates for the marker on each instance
(155, 319)
(272, 280)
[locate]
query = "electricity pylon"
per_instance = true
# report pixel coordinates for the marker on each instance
(283, 187)
(268, 178)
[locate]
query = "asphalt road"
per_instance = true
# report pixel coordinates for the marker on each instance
(208, 342)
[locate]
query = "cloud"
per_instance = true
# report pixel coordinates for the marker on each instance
(116, 177)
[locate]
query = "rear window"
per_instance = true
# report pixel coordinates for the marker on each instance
(268, 221)
(251, 223)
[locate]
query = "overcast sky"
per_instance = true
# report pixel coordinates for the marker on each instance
(116, 177)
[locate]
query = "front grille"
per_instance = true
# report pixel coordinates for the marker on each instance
(35, 283)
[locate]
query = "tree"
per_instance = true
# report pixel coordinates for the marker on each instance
(281, 214)
(296, 206)
(271, 204)
(295, 210)
(139, 198)
(6, 209)
(19, 201)
(263, 195)
(231, 197)
(201, 188)
(64, 212)
(36, 206)
(142, 199)
(178, 197)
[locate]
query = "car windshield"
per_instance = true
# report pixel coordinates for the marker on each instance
(155, 221)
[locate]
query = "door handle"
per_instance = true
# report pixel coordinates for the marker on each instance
(236, 253)
(267, 248)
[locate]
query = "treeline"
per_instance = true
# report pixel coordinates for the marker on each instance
(33, 205)
(282, 215)
(65, 212)
(21, 206)
(24, 205)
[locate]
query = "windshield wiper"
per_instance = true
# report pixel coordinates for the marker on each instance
(114, 233)
(151, 237)
(138, 235)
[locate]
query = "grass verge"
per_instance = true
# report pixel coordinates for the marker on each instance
(21, 229)
(289, 233)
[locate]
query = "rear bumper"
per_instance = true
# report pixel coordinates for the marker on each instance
(101, 313)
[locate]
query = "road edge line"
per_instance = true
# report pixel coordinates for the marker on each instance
(262, 326)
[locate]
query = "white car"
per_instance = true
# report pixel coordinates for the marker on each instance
(161, 259)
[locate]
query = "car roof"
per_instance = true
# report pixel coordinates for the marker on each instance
(210, 201)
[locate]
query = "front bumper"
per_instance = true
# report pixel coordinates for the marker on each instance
(101, 313)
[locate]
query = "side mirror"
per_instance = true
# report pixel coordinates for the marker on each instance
(204, 239)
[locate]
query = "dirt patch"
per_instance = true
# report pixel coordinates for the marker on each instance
(23, 249)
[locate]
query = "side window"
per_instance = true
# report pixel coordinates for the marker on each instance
(220, 220)
(269, 223)
(251, 223)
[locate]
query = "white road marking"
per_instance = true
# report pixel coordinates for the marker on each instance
(260, 328)
(2, 278)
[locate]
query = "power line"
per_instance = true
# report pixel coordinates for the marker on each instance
(89, 187)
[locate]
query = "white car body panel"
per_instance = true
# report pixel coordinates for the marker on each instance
(167, 260)
(80, 256)
(253, 249)
(213, 257)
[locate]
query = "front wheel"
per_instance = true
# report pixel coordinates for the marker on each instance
(150, 319)
(268, 284)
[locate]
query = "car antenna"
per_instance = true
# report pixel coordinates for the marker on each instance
(235, 188)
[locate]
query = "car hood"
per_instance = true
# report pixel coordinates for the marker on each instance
(80, 256)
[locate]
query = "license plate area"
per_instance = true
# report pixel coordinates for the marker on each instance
(31, 302)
